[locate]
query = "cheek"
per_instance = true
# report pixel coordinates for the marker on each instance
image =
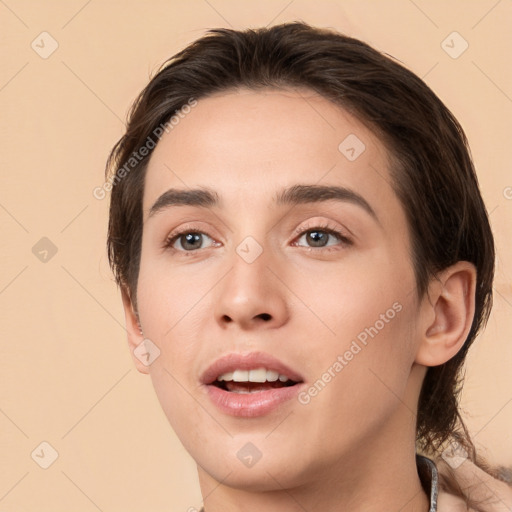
(371, 362)
(169, 306)
(345, 299)
(168, 296)
(367, 337)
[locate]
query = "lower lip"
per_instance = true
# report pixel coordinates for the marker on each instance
(251, 405)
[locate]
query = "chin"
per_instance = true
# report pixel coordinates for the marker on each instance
(259, 479)
(270, 473)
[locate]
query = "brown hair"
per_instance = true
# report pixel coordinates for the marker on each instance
(432, 171)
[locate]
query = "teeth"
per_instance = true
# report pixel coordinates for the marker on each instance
(256, 375)
(259, 375)
(240, 375)
(272, 376)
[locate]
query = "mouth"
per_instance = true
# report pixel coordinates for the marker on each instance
(252, 381)
(250, 385)
(253, 371)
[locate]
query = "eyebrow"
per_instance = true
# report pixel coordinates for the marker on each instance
(294, 195)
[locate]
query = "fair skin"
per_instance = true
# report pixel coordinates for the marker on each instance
(354, 442)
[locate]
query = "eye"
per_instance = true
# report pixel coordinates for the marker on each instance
(319, 236)
(189, 240)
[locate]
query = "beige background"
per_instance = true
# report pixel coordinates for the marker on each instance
(67, 377)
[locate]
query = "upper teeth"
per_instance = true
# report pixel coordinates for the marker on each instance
(257, 375)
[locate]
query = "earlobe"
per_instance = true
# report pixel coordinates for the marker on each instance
(447, 314)
(133, 330)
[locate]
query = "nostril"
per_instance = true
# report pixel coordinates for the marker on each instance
(265, 316)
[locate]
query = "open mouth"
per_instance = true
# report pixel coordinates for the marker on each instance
(247, 388)
(251, 387)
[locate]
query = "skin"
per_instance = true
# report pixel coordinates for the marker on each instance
(354, 443)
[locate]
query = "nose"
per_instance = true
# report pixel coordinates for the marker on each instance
(252, 295)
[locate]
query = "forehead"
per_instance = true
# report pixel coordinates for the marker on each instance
(247, 144)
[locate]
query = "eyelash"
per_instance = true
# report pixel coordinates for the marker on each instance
(325, 228)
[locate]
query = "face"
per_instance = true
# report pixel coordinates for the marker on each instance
(322, 284)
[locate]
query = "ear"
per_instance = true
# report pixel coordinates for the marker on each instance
(447, 314)
(133, 329)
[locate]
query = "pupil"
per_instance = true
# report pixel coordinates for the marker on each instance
(190, 237)
(317, 236)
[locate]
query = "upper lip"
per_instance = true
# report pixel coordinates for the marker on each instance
(248, 361)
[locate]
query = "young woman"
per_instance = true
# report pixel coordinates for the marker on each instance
(305, 259)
